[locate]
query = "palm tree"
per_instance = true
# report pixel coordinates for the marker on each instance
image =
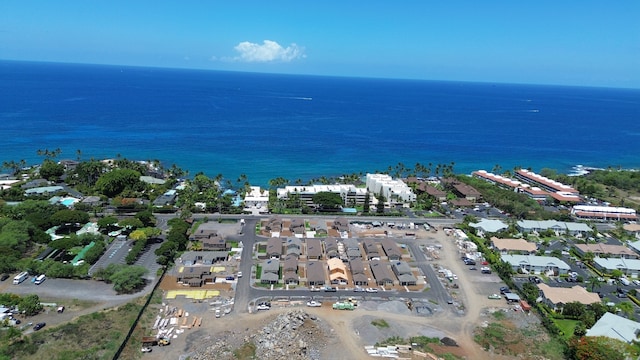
(594, 283)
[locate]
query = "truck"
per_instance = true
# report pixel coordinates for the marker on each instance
(20, 278)
(152, 341)
(343, 306)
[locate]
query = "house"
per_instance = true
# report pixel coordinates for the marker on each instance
(357, 272)
(337, 271)
(293, 245)
(315, 273)
(371, 249)
(195, 276)
(536, 264)
(297, 226)
(331, 247)
(314, 249)
(273, 226)
(616, 327)
(435, 193)
(391, 249)
(44, 190)
(465, 191)
(489, 226)
(191, 258)
(607, 250)
(510, 246)
(270, 271)
(352, 248)
(633, 229)
(203, 233)
(290, 263)
(92, 201)
(274, 247)
(558, 227)
(319, 226)
(291, 278)
(167, 198)
(629, 267)
(341, 224)
(557, 297)
(381, 272)
(216, 242)
(403, 273)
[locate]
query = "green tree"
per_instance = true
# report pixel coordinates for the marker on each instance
(108, 223)
(146, 217)
(596, 348)
(367, 203)
(68, 216)
(381, 201)
(594, 283)
(118, 180)
(129, 279)
(131, 223)
(580, 329)
(327, 200)
(616, 274)
(51, 170)
(30, 304)
(88, 172)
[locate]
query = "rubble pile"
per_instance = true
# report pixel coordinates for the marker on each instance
(294, 335)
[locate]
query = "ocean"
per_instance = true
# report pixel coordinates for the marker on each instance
(301, 127)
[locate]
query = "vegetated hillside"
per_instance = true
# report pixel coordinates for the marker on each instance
(94, 336)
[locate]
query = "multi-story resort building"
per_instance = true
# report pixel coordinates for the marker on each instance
(396, 192)
(350, 194)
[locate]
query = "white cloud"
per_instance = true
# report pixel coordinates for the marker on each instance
(267, 52)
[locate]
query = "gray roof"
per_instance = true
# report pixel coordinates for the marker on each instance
(617, 263)
(351, 243)
(314, 248)
(537, 261)
(380, 271)
(391, 248)
(401, 267)
(274, 246)
(271, 265)
(290, 262)
(271, 277)
(407, 279)
(490, 226)
(370, 247)
(616, 327)
(356, 266)
(315, 271)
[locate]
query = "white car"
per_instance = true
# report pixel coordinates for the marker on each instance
(146, 349)
(263, 307)
(372, 290)
(313, 303)
(239, 274)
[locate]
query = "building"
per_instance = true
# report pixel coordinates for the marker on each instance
(629, 267)
(547, 184)
(274, 248)
(391, 249)
(465, 191)
(518, 246)
(331, 247)
(536, 264)
(371, 249)
(337, 271)
(381, 273)
(604, 213)
(315, 273)
(489, 226)
(395, 192)
(403, 272)
(293, 245)
(557, 297)
(633, 229)
(270, 271)
(217, 243)
(606, 250)
(256, 200)
(358, 273)
(350, 194)
(559, 227)
(195, 268)
(616, 327)
(314, 249)
(290, 270)
(352, 248)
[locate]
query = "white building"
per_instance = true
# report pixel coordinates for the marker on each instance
(603, 212)
(536, 264)
(350, 194)
(616, 327)
(396, 192)
(256, 200)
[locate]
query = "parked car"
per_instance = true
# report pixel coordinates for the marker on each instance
(39, 326)
(473, 268)
(146, 349)
(263, 306)
(359, 289)
(4, 277)
(60, 309)
(372, 290)
(330, 289)
(504, 289)
(495, 296)
(239, 274)
(313, 303)
(314, 289)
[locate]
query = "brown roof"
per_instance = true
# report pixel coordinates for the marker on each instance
(390, 247)
(381, 271)
(606, 249)
(513, 244)
(314, 248)
(274, 246)
(315, 271)
(466, 190)
(560, 295)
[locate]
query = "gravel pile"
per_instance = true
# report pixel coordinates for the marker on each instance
(294, 335)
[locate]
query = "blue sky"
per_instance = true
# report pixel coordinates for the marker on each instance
(585, 43)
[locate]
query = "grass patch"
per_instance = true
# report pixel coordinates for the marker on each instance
(394, 340)
(567, 327)
(499, 315)
(258, 271)
(381, 323)
(246, 352)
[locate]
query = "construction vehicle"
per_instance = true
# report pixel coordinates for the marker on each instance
(152, 341)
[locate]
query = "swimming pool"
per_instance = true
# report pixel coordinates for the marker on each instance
(68, 202)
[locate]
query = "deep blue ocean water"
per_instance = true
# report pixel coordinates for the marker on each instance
(266, 125)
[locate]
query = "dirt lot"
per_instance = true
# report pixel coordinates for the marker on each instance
(347, 332)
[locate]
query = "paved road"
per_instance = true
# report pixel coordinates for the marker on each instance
(437, 292)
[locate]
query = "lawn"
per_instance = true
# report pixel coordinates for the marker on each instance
(567, 327)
